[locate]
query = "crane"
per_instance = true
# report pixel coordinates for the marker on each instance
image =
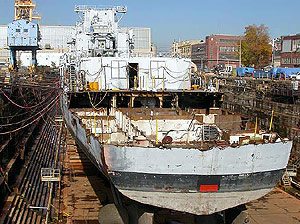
(25, 9)
(22, 33)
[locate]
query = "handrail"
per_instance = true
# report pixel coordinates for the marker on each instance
(80, 8)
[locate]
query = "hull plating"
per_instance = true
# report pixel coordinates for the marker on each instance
(196, 203)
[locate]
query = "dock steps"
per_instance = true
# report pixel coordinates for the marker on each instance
(286, 181)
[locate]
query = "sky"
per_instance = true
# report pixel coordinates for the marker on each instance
(171, 20)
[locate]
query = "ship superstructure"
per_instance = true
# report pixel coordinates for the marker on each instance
(155, 139)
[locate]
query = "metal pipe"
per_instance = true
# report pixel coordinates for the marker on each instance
(156, 134)
(271, 120)
(55, 162)
(255, 128)
(240, 56)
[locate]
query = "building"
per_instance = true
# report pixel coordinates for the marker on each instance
(276, 52)
(55, 40)
(290, 51)
(222, 49)
(199, 55)
(183, 48)
(217, 49)
(141, 40)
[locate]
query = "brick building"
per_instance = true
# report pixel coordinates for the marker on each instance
(217, 49)
(290, 51)
(183, 48)
(199, 55)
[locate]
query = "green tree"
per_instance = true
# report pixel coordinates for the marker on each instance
(256, 49)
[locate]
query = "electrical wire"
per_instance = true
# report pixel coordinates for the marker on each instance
(20, 91)
(18, 115)
(11, 116)
(14, 103)
(10, 124)
(15, 123)
(20, 128)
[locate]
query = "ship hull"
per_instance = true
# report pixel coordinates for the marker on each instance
(196, 203)
(182, 179)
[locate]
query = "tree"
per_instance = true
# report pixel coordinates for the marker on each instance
(256, 48)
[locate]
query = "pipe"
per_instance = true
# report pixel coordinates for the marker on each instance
(271, 120)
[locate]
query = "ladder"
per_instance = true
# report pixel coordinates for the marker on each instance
(286, 181)
(72, 77)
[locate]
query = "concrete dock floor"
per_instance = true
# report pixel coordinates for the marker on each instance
(276, 207)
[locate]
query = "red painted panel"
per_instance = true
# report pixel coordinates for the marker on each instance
(209, 188)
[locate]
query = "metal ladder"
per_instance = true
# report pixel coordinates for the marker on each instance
(72, 77)
(286, 181)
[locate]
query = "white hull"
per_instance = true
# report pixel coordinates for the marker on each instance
(196, 203)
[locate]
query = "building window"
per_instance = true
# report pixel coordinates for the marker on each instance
(228, 41)
(286, 61)
(227, 56)
(286, 45)
(18, 30)
(296, 61)
(296, 44)
(227, 49)
(25, 30)
(211, 51)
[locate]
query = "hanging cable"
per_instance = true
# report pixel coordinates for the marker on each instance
(15, 130)
(95, 106)
(22, 114)
(19, 122)
(10, 100)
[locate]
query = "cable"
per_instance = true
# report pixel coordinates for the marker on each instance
(23, 106)
(20, 91)
(95, 106)
(15, 130)
(10, 124)
(15, 115)
(18, 115)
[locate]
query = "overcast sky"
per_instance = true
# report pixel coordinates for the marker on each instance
(179, 19)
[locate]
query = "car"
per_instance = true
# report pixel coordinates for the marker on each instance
(295, 76)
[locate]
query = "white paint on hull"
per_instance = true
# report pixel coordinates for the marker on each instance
(241, 160)
(195, 203)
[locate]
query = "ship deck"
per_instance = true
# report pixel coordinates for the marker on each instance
(166, 127)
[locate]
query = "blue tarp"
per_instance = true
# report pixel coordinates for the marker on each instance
(286, 72)
(260, 74)
(273, 71)
(241, 71)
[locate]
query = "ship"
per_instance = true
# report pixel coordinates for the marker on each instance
(159, 139)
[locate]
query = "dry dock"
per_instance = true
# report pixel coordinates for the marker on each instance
(277, 207)
(83, 192)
